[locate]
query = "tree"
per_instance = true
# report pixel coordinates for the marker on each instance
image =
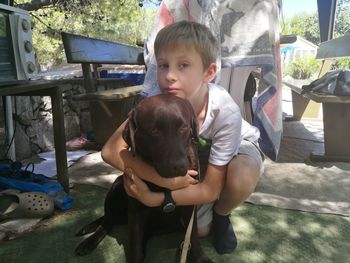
(123, 21)
(307, 26)
(342, 27)
(303, 25)
(342, 18)
(67, 5)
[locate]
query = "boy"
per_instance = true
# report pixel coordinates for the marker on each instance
(186, 55)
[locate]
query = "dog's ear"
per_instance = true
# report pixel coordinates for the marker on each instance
(194, 126)
(130, 129)
(193, 158)
(194, 130)
(192, 151)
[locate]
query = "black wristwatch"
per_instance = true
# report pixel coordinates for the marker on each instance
(169, 204)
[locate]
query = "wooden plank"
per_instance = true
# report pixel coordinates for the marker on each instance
(299, 104)
(34, 87)
(334, 48)
(89, 81)
(336, 128)
(59, 137)
(80, 49)
(296, 86)
(111, 95)
(323, 98)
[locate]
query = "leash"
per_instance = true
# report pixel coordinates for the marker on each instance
(186, 244)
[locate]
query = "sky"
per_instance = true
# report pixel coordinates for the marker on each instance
(292, 7)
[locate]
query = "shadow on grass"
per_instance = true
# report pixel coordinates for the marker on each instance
(265, 234)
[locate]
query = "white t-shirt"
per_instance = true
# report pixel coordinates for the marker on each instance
(224, 126)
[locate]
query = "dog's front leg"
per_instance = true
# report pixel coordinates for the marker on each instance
(138, 215)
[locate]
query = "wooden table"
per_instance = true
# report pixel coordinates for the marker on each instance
(336, 122)
(47, 88)
(109, 108)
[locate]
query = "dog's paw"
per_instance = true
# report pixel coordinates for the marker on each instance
(90, 243)
(88, 229)
(85, 247)
(84, 231)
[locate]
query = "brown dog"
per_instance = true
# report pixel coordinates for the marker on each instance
(163, 131)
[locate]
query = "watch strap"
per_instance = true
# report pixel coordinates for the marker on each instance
(169, 204)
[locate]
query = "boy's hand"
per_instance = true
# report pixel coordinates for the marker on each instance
(181, 181)
(137, 189)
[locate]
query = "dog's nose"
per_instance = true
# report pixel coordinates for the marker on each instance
(172, 168)
(180, 168)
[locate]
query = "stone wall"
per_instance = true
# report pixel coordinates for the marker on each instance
(33, 121)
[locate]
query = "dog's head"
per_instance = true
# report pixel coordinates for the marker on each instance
(163, 131)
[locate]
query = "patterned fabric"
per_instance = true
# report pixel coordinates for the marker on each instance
(249, 36)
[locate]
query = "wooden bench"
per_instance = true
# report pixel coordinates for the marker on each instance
(94, 52)
(336, 109)
(108, 108)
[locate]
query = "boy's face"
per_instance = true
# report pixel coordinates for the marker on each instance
(180, 72)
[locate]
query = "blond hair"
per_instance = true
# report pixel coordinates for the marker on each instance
(185, 33)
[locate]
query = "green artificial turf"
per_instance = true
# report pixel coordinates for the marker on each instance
(265, 234)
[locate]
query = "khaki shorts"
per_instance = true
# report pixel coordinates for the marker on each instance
(205, 211)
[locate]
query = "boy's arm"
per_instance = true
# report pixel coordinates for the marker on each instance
(115, 152)
(204, 192)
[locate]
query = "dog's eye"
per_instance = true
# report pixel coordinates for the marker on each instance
(184, 128)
